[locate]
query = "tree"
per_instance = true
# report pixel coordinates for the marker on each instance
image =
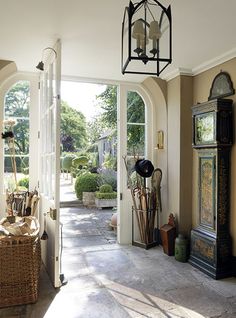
(135, 116)
(17, 100)
(108, 102)
(95, 129)
(17, 106)
(73, 128)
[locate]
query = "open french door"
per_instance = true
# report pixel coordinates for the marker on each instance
(49, 170)
(125, 153)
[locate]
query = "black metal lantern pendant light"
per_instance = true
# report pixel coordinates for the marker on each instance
(146, 38)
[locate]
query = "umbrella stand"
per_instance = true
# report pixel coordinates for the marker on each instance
(146, 203)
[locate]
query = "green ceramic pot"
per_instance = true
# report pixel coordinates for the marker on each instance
(181, 248)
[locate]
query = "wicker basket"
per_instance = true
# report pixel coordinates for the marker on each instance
(20, 259)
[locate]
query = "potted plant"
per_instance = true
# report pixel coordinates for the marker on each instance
(105, 197)
(85, 187)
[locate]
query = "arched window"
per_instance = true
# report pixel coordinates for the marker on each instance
(16, 109)
(135, 124)
(136, 129)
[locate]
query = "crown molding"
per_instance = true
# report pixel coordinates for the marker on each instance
(177, 72)
(202, 67)
(215, 61)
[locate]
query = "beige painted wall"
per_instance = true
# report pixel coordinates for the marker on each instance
(7, 68)
(186, 96)
(180, 151)
(3, 63)
(202, 84)
(173, 98)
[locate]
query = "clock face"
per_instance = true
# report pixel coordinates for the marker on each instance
(205, 128)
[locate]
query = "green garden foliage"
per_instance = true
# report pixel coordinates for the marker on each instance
(24, 182)
(73, 128)
(105, 188)
(16, 105)
(80, 161)
(92, 148)
(135, 117)
(110, 162)
(106, 196)
(67, 162)
(106, 193)
(109, 176)
(88, 182)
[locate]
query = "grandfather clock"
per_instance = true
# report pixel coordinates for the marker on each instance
(212, 139)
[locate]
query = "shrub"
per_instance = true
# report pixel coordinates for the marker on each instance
(80, 161)
(61, 160)
(79, 165)
(94, 157)
(105, 192)
(109, 176)
(112, 195)
(80, 172)
(94, 170)
(67, 162)
(105, 188)
(24, 182)
(92, 148)
(88, 182)
(110, 162)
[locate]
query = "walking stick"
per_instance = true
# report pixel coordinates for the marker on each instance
(9, 136)
(133, 199)
(156, 189)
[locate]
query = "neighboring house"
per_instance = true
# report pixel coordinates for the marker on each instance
(107, 144)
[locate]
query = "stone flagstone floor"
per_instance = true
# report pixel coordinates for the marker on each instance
(106, 280)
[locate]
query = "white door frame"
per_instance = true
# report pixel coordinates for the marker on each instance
(49, 168)
(124, 207)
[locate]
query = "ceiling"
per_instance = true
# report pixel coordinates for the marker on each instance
(90, 33)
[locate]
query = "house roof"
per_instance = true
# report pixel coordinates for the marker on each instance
(106, 134)
(90, 32)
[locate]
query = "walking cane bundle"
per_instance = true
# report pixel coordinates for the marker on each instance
(132, 189)
(146, 201)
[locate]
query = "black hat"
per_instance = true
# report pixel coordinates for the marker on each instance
(144, 168)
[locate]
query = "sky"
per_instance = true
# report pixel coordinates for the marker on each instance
(82, 96)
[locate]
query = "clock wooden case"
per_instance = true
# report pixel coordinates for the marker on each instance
(212, 139)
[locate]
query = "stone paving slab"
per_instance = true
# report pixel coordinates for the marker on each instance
(225, 287)
(107, 280)
(202, 300)
(86, 303)
(76, 242)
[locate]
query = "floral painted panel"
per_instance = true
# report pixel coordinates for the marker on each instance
(207, 191)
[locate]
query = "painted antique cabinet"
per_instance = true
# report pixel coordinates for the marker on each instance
(212, 139)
